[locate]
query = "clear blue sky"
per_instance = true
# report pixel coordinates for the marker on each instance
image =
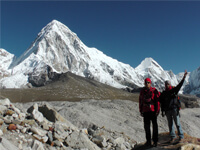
(128, 31)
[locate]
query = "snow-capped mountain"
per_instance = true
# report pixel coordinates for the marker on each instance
(193, 86)
(57, 49)
(6, 59)
(151, 69)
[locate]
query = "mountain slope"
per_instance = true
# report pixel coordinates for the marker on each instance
(193, 87)
(151, 69)
(70, 87)
(6, 59)
(58, 47)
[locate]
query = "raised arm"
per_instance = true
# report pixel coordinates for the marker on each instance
(178, 87)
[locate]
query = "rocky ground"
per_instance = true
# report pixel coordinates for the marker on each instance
(88, 124)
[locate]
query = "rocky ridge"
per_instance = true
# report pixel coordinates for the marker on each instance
(42, 127)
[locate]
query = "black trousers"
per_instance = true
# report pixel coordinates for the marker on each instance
(148, 118)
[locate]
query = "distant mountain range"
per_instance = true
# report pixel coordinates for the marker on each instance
(59, 50)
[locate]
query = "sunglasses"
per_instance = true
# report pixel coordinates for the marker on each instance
(147, 82)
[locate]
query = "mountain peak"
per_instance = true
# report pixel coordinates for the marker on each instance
(55, 25)
(3, 52)
(148, 63)
(55, 22)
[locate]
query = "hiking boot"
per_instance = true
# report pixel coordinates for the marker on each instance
(181, 140)
(147, 144)
(172, 140)
(155, 144)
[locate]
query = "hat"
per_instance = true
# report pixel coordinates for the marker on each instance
(147, 80)
(167, 82)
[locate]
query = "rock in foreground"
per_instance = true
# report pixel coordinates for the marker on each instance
(88, 125)
(42, 127)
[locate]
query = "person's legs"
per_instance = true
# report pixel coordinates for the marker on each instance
(147, 127)
(178, 124)
(155, 129)
(170, 124)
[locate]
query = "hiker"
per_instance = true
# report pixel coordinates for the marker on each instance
(170, 106)
(149, 107)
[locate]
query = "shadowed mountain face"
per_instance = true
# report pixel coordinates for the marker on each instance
(70, 87)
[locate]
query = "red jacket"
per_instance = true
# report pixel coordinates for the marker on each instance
(149, 100)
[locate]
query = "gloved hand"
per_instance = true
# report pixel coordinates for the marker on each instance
(141, 114)
(163, 113)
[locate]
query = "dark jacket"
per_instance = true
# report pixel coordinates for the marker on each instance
(168, 97)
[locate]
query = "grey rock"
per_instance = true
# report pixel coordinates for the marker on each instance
(22, 116)
(50, 135)
(7, 145)
(61, 137)
(5, 102)
(98, 140)
(80, 140)
(58, 143)
(38, 116)
(15, 109)
(1, 132)
(52, 115)
(119, 141)
(38, 131)
(2, 109)
(37, 145)
(16, 122)
(8, 119)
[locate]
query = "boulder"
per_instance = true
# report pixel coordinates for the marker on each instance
(38, 131)
(15, 109)
(50, 136)
(3, 109)
(190, 147)
(100, 141)
(42, 139)
(22, 116)
(8, 119)
(5, 102)
(37, 145)
(7, 145)
(81, 141)
(52, 115)
(38, 116)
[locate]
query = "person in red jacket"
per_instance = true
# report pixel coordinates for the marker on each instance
(149, 107)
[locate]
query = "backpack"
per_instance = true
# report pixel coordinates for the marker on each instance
(148, 97)
(172, 102)
(175, 102)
